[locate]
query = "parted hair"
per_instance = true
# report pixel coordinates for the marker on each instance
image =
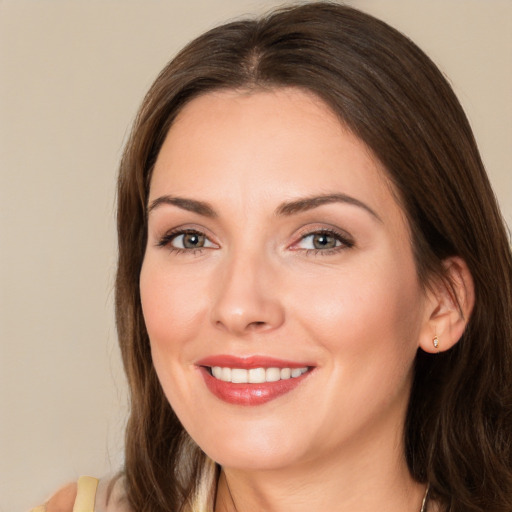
(458, 431)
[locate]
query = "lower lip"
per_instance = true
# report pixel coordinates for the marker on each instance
(250, 394)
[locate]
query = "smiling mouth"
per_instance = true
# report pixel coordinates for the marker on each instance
(252, 380)
(255, 375)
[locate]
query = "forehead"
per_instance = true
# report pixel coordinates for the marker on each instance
(248, 145)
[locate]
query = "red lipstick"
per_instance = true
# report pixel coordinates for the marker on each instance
(251, 393)
(249, 362)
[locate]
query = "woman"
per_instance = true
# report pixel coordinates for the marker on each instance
(314, 281)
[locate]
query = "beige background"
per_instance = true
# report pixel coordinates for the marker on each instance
(71, 76)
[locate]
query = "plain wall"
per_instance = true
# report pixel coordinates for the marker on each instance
(72, 74)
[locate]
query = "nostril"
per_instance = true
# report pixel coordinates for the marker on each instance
(249, 314)
(256, 325)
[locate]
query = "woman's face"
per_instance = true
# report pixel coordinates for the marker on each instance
(278, 286)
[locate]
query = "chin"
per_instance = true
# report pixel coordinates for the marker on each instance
(251, 459)
(252, 448)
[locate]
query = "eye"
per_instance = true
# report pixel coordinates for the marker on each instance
(324, 241)
(186, 240)
(319, 241)
(190, 240)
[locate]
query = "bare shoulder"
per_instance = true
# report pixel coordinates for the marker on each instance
(63, 500)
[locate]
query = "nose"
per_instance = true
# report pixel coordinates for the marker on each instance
(246, 298)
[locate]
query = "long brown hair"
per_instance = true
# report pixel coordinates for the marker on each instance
(458, 433)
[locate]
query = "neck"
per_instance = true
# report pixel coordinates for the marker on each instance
(240, 495)
(369, 480)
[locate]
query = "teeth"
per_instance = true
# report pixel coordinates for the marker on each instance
(286, 373)
(256, 375)
(296, 372)
(226, 374)
(273, 374)
(238, 375)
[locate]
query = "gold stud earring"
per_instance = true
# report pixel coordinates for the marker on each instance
(435, 341)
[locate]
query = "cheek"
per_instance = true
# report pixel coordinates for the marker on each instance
(371, 311)
(368, 326)
(172, 315)
(171, 304)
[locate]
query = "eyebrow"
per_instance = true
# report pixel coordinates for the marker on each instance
(284, 209)
(191, 205)
(308, 203)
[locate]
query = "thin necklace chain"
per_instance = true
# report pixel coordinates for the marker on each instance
(422, 509)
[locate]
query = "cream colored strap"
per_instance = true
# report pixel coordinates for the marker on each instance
(42, 508)
(86, 494)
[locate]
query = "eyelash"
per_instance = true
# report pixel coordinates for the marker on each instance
(345, 241)
(166, 240)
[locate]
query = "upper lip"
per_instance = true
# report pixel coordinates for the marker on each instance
(256, 361)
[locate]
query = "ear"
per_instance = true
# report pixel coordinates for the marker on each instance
(449, 304)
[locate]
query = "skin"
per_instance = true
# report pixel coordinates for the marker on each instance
(258, 287)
